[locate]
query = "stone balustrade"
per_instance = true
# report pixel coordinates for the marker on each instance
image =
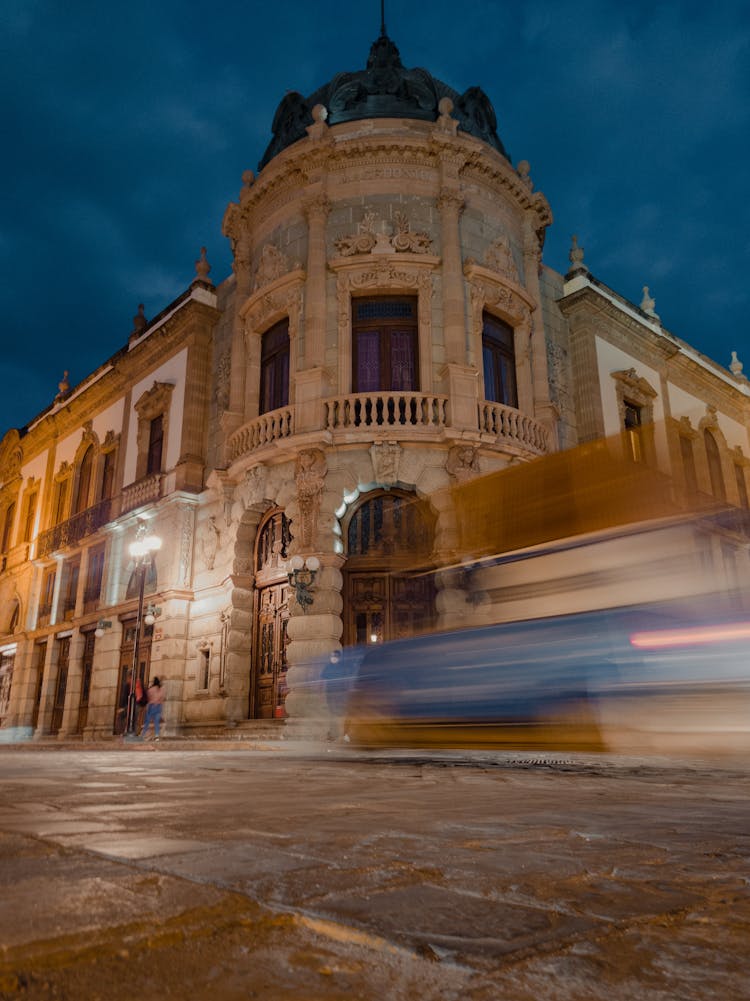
(263, 430)
(510, 426)
(143, 491)
(415, 410)
(420, 412)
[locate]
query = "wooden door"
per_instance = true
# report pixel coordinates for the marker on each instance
(270, 652)
(61, 684)
(87, 669)
(382, 606)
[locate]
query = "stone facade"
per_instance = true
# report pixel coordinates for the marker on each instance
(290, 487)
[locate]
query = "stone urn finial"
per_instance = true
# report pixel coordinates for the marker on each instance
(139, 322)
(735, 366)
(648, 303)
(202, 268)
(575, 257)
(63, 386)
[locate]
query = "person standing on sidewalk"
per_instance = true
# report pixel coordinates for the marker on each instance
(156, 696)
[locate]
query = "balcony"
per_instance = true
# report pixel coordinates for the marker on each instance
(510, 427)
(143, 491)
(381, 410)
(70, 532)
(418, 414)
(264, 430)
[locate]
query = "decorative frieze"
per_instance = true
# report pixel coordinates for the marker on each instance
(366, 240)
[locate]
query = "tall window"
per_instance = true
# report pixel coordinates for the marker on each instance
(714, 466)
(94, 576)
(274, 368)
(85, 469)
(70, 589)
(688, 463)
(633, 426)
(10, 513)
(499, 361)
(384, 334)
(61, 497)
(155, 444)
(108, 475)
(47, 596)
(29, 515)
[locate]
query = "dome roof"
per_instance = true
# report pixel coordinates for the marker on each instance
(385, 89)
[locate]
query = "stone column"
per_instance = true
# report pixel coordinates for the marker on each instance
(190, 465)
(450, 204)
(544, 410)
(310, 381)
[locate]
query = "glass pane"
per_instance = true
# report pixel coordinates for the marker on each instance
(402, 360)
(368, 362)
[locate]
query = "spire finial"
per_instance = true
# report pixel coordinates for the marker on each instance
(383, 32)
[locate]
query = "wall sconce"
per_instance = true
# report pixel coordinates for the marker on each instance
(101, 625)
(302, 579)
(152, 613)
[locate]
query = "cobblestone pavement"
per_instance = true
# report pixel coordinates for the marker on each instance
(273, 872)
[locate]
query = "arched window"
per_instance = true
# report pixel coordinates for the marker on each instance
(108, 475)
(274, 368)
(10, 513)
(81, 501)
(714, 466)
(390, 523)
(385, 337)
(499, 361)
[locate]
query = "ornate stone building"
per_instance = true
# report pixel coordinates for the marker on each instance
(389, 328)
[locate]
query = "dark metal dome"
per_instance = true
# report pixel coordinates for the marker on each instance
(385, 89)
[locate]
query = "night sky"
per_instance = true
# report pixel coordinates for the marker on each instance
(126, 129)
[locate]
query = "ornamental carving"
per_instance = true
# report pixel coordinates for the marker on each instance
(309, 475)
(11, 457)
(462, 463)
(385, 456)
(366, 239)
(498, 257)
(273, 306)
(272, 265)
(361, 242)
(223, 369)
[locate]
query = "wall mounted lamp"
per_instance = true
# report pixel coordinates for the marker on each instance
(101, 625)
(302, 579)
(152, 614)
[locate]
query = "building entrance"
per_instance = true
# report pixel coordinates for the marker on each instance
(388, 591)
(269, 663)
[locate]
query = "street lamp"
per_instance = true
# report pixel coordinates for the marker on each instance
(141, 551)
(302, 579)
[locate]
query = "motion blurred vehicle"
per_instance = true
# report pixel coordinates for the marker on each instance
(657, 678)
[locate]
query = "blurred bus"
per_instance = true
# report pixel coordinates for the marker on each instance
(591, 603)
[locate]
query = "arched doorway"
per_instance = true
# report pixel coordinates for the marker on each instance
(269, 663)
(389, 592)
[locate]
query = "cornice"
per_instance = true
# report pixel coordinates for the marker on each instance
(383, 262)
(292, 281)
(478, 273)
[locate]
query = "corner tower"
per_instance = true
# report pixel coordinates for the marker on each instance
(386, 337)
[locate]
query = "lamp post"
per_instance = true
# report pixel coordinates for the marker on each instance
(141, 550)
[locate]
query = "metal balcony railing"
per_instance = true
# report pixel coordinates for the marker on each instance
(70, 532)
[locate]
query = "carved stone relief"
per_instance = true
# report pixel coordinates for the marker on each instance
(309, 474)
(385, 457)
(366, 239)
(498, 257)
(272, 265)
(462, 463)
